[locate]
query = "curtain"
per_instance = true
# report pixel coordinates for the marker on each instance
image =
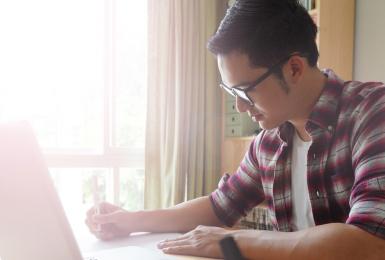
(183, 131)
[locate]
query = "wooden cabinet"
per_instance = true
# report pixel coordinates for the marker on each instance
(335, 20)
(233, 150)
(237, 124)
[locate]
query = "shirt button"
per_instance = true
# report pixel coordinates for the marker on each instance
(330, 128)
(318, 194)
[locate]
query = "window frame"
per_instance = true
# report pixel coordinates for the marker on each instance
(109, 156)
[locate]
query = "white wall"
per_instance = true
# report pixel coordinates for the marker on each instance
(369, 54)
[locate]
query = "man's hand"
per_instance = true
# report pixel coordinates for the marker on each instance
(202, 241)
(107, 221)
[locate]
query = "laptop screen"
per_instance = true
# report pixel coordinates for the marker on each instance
(32, 221)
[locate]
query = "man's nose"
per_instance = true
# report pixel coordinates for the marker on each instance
(242, 105)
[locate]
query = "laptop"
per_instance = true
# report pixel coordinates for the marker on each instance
(33, 224)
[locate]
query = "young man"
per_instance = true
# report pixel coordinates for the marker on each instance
(319, 162)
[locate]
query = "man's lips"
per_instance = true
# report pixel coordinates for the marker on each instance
(256, 117)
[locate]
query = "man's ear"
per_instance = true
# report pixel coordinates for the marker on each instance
(295, 69)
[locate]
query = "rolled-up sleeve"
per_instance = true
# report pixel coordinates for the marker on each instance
(238, 193)
(367, 199)
(368, 206)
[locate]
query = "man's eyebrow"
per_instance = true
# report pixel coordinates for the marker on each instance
(243, 84)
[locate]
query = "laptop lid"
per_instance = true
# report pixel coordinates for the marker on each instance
(32, 221)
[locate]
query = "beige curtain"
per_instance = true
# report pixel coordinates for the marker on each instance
(184, 102)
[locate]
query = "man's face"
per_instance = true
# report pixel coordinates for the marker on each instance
(271, 102)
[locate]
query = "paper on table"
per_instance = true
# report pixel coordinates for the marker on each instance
(128, 252)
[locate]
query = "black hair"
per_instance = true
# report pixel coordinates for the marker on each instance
(267, 31)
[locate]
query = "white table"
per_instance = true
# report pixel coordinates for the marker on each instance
(88, 243)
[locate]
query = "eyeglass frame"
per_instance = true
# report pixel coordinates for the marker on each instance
(243, 89)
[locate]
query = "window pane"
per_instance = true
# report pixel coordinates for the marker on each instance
(81, 188)
(132, 188)
(52, 63)
(131, 63)
(78, 190)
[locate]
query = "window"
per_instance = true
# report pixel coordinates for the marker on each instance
(77, 71)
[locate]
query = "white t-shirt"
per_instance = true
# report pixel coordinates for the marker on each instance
(302, 212)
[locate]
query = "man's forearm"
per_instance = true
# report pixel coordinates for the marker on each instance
(331, 241)
(180, 218)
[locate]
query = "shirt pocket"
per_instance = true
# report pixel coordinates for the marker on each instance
(339, 197)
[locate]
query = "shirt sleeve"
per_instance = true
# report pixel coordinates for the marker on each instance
(367, 199)
(238, 193)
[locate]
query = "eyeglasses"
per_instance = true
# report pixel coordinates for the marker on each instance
(241, 90)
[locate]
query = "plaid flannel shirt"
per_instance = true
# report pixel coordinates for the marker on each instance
(345, 163)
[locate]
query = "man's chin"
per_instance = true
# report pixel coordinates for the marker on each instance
(266, 126)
